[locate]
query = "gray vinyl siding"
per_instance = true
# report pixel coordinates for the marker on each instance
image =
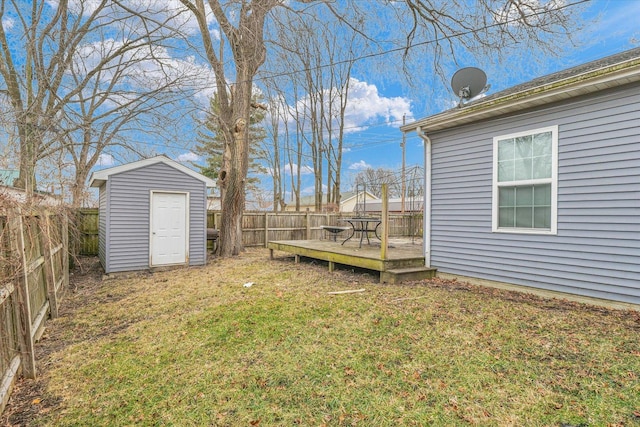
(129, 214)
(102, 226)
(596, 251)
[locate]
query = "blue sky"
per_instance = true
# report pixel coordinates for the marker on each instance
(378, 103)
(611, 26)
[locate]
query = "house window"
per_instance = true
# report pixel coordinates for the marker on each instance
(525, 182)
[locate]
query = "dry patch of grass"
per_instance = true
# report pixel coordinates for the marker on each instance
(195, 347)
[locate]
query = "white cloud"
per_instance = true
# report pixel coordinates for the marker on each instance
(293, 170)
(215, 33)
(188, 157)
(532, 10)
(143, 69)
(307, 191)
(358, 166)
(84, 7)
(172, 12)
(8, 23)
(105, 160)
(366, 107)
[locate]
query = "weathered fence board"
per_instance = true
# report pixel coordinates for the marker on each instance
(34, 270)
(87, 232)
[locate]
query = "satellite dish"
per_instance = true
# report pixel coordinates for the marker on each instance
(468, 83)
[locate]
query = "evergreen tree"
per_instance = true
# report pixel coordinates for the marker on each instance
(210, 142)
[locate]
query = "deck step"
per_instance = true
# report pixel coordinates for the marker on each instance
(400, 275)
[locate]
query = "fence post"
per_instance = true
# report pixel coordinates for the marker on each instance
(308, 225)
(65, 249)
(49, 271)
(23, 308)
(385, 221)
(266, 229)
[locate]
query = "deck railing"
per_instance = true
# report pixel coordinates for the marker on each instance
(260, 228)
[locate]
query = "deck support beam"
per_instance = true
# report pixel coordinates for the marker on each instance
(367, 256)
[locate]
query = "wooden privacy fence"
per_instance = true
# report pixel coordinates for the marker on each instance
(33, 271)
(86, 232)
(259, 228)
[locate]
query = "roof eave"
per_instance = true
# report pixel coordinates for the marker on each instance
(98, 178)
(96, 183)
(589, 82)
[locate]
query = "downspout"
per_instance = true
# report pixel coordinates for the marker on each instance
(426, 228)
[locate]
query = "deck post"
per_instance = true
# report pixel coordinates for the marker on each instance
(327, 223)
(332, 266)
(384, 244)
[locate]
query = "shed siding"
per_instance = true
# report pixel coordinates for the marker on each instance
(129, 210)
(102, 226)
(596, 251)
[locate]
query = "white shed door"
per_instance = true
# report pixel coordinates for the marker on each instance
(169, 237)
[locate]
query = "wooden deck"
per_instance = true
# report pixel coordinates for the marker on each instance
(401, 254)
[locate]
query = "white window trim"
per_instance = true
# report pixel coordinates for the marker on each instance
(554, 183)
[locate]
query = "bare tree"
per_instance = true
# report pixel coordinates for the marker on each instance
(296, 151)
(242, 31)
(82, 81)
(111, 109)
(306, 43)
(439, 26)
(271, 150)
(372, 179)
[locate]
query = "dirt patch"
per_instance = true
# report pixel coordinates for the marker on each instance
(29, 398)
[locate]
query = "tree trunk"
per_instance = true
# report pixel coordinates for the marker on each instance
(233, 201)
(77, 188)
(28, 149)
(235, 170)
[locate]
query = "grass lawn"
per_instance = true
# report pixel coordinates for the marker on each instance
(196, 347)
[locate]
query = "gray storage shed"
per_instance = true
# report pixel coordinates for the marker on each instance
(152, 214)
(539, 185)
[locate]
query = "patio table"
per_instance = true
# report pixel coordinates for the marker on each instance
(364, 226)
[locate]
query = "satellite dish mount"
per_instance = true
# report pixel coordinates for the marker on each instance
(467, 83)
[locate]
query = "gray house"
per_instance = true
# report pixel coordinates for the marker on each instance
(539, 185)
(152, 213)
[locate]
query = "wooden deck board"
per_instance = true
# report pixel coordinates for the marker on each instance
(401, 254)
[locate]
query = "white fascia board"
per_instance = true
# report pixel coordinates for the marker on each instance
(578, 85)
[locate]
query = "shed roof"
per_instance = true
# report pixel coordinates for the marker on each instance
(612, 71)
(100, 177)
